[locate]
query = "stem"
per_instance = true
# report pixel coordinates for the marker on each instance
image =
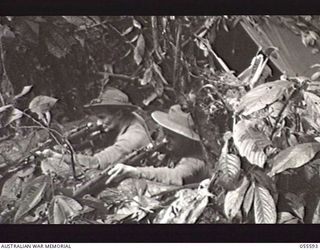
(52, 187)
(220, 61)
(156, 46)
(199, 128)
(157, 69)
(176, 55)
(72, 160)
(125, 77)
(2, 57)
(4, 72)
(57, 141)
(293, 93)
(43, 127)
(195, 34)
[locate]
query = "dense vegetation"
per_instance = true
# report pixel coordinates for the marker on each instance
(260, 138)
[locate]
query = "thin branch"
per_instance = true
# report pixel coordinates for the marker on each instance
(4, 72)
(52, 185)
(42, 126)
(293, 93)
(220, 61)
(2, 57)
(157, 69)
(176, 55)
(156, 46)
(195, 34)
(57, 141)
(72, 153)
(200, 132)
(125, 77)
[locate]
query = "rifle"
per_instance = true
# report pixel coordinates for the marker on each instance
(84, 136)
(134, 156)
(79, 137)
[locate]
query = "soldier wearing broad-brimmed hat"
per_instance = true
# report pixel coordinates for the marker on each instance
(127, 130)
(183, 143)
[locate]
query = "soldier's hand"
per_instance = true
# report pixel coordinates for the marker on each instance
(120, 172)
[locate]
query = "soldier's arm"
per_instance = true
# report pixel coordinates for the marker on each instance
(134, 138)
(188, 170)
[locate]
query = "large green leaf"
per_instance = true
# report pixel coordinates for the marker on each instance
(229, 165)
(251, 142)
(248, 199)
(263, 95)
(5, 107)
(316, 214)
(294, 157)
(31, 196)
(185, 209)
(139, 50)
(54, 165)
(14, 115)
(59, 42)
(25, 90)
(147, 76)
(12, 188)
(313, 100)
(6, 32)
(234, 199)
(287, 218)
(312, 121)
(252, 74)
(264, 206)
(296, 203)
(42, 104)
(62, 209)
(313, 105)
(138, 208)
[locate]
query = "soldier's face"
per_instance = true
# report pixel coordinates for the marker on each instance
(105, 117)
(109, 117)
(175, 141)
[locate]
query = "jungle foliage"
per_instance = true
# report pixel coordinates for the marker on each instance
(260, 137)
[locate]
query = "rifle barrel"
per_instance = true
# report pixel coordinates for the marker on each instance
(135, 155)
(74, 134)
(104, 173)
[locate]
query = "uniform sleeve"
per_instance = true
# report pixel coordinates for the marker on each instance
(188, 170)
(134, 138)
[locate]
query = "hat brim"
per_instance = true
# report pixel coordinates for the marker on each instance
(118, 106)
(162, 118)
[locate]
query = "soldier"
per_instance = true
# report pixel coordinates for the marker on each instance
(185, 165)
(127, 131)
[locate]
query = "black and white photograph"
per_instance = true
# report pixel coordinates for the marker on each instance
(160, 119)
